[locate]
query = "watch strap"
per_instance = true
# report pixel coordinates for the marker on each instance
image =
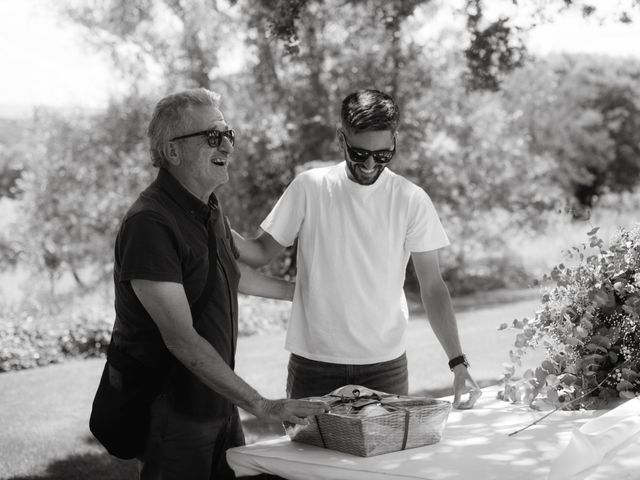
(459, 360)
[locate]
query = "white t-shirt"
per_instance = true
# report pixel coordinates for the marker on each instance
(353, 247)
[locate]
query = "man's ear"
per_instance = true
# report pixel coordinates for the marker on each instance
(171, 153)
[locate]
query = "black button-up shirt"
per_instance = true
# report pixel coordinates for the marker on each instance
(165, 237)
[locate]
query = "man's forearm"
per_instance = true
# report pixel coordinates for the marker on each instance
(251, 251)
(167, 304)
(203, 360)
(255, 283)
(437, 304)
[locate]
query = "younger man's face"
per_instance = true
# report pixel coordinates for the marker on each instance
(361, 151)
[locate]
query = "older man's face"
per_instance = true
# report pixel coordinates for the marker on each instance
(204, 166)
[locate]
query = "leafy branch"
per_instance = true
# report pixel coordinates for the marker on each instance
(590, 326)
(561, 407)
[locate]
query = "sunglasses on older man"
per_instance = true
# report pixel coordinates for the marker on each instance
(360, 155)
(214, 137)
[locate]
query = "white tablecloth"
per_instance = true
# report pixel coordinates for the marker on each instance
(475, 445)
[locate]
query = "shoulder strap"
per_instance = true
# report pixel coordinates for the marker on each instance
(229, 235)
(203, 299)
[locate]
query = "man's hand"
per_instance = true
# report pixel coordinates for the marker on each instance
(293, 411)
(463, 384)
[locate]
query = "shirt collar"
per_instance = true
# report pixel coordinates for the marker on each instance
(185, 198)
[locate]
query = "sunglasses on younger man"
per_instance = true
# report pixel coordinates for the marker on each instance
(360, 155)
(214, 137)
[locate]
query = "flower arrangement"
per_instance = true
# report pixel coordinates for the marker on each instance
(589, 325)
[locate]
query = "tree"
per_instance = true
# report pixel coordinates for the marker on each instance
(11, 165)
(495, 46)
(584, 113)
(466, 151)
(87, 170)
(14, 153)
(463, 141)
(167, 43)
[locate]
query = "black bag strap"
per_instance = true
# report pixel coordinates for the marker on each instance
(200, 304)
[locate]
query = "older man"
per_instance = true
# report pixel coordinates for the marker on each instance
(176, 284)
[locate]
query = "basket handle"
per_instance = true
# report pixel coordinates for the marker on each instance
(406, 427)
(324, 444)
(407, 415)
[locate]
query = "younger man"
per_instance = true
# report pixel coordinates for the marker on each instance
(357, 224)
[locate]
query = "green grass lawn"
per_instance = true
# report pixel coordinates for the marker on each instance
(44, 412)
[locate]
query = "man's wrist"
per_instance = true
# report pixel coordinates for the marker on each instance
(460, 360)
(255, 404)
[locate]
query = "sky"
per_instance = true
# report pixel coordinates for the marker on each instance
(44, 61)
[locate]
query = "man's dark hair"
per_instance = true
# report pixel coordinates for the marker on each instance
(369, 110)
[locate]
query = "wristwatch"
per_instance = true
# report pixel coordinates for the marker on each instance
(462, 359)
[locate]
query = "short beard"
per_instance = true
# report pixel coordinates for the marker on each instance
(354, 173)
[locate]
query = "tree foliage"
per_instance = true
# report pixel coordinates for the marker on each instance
(14, 153)
(493, 49)
(495, 45)
(584, 113)
(491, 159)
(167, 43)
(89, 168)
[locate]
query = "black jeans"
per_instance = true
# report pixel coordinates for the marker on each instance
(182, 446)
(310, 378)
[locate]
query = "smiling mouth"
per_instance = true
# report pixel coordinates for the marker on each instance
(221, 162)
(367, 171)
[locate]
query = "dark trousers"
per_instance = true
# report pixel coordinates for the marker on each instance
(181, 446)
(310, 378)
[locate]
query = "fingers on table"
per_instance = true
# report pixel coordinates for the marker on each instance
(474, 395)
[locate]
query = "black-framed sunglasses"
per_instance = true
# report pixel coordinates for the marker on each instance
(360, 155)
(214, 137)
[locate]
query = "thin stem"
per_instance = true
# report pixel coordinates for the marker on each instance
(561, 407)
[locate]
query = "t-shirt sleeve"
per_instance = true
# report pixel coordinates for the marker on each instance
(149, 249)
(285, 219)
(424, 231)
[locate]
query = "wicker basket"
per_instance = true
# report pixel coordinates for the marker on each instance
(408, 422)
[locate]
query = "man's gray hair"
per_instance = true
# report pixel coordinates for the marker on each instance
(169, 119)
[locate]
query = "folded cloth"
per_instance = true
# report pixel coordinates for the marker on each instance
(348, 391)
(595, 439)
